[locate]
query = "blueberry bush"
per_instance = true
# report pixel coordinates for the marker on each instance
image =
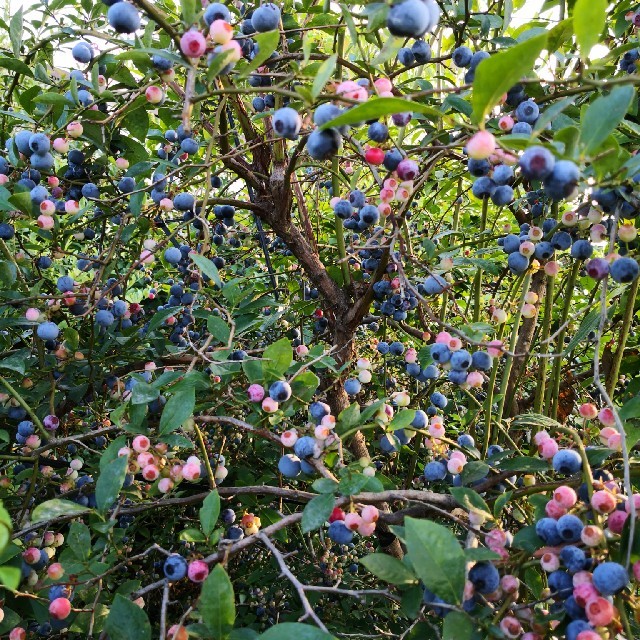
(319, 320)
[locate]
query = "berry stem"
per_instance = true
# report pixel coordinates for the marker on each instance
(551, 399)
(512, 345)
(477, 283)
(544, 344)
(612, 378)
(488, 402)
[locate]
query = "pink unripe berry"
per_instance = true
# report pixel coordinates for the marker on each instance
(636, 570)
(588, 634)
(60, 608)
(475, 380)
(584, 592)
(565, 496)
(17, 633)
(193, 44)
(510, 626)
(591, 535)
(220, 32)
(554, 509)
(570, 218)
(408, 169)
(603, 501)
(74, 129)
(191, 472)
(607, 417)
(46, 222)
(177, 632)
(506, 123)
(165, 485)
(370, 513)
(3, 180)
(235, 48)
(552, 268)
(31, 555)
(55, 571)
(72, 206)
(383, 84)
(455, 344)
(61, 145)
(509, 583)
(384, 208)
(366, 528)
(616, 520)
(527, 248)
(198, 571)
(499, 316)
(47, 208)
(588, 410)
(289, 438)
(141, 443)
(302, 350)
(145, 458)
(256, 392)
(150, 473)
(550, 562)
(443, 337)
(32, 314)
(352, 521)
(269, 405)
(627, 232)
(636, 503)
(154, 94)
(548, 448)
(481, 145)
(122, 163)
(599, 612)
(529, 311)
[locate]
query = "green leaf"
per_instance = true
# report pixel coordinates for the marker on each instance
(589, 18)
(524, 463)
(437, 558)
(350, 416)
(527, 539)
(22, 201)
(479, 554)
(16, 65)
(471, 501)
(317, 512)
(324, 485)
(143, 393)
(497, 74)
(277, 358)
(79, 540)
(352, 483)
(160, 316)
(388, 568)
(110, 482)
(474, 471)
(323, 74)
(389, 50)
(216, 604)
(188, 11)
(16, 29)
(179, 408)
(456, 626)
(305, 385)
(603, 116)
(375, 108)
(295, 631)
(10, 577)
(630, 409)
(207, 267)
(192, 535)
(267, 43)
(219, 329)
(16, 361)
(53, 98)
(219, 62)
(209, 512)
(402, 419)
(137, 123)
(56, 508)
(127, 621)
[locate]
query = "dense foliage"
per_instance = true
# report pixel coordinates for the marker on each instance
(319, 320)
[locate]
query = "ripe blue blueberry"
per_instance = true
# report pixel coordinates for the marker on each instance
(216, 11)
(392, 159)
(544, 251)
(547, 531)
(517, 263)
(389, 443)
(527, 111)
(339, 533)
(537, 163)
(378, 132)
(502, 174)
(406, 57)
(420, 420)
(434, 471)
(481, 360)
(440, 352)
(82, 52)
(323, 144)
(560, 583)
(562, 181)
(511, 243)
(438, 399)
(48, 331)
(175, 567)
(478, 168)
(383, 348)
(234, 533)
(502, 195)
(483, 187)
(581, 250)
(421, 51)
(104, 318)
(266, 18)
(228, 516)
(184, 202)
(173, 255)
(561, 240)
(304, 447)
(569, 527)
(39, 143)
(467, 441)
(567, 462)
(287, 123)
(280, 391)
(396, 348)
(123, 17)
(484, 577)
(90, 191)
(434, 285)
(126, 184)
(624, 270)
(326, 112)
(352, 386)
(609, 578)
(461, 57)
(575, 627)
(410, 18)
(289, 466)
(573, 558)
